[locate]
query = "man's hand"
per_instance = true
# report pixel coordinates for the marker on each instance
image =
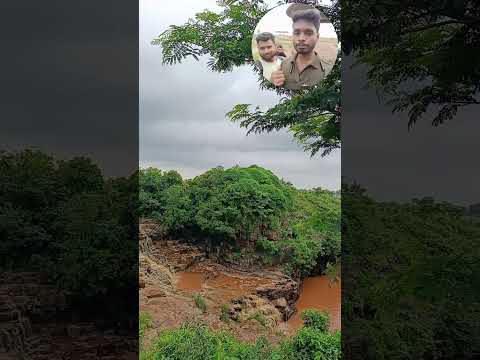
(278, 79)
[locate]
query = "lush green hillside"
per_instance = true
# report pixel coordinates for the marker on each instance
(411, 274)
(247, 212)
(311, 238)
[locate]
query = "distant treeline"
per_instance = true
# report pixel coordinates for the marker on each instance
(411, 279)
(250, 208)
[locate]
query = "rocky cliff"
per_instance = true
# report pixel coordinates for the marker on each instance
(242, 299)
(30, 325)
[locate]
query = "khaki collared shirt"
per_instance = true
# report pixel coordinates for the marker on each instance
(311, 75)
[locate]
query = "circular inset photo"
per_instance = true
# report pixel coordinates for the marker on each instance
(295, 46)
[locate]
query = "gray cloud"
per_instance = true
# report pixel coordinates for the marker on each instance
(70, 81)
(182, 113)
(393, 163)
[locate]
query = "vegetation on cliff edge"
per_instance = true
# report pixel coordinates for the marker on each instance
(64, 218)
(248, 212)
(194, 341)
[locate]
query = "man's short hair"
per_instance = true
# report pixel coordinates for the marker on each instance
(311, 15)
(265, 36)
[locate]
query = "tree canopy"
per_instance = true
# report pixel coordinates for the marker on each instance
(246, 210)
(313, 116)
(422, 58)
(423, 55)
(64, 218)
(413, 268)
(236, 203)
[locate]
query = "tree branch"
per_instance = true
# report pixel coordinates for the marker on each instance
(431, 26)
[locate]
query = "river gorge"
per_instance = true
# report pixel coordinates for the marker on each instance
(247, 301)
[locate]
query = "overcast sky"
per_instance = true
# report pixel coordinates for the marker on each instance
(278, 20)
(395, 164)
(182, 112)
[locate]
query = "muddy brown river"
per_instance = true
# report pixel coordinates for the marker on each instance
(190, 281)
(317, 292)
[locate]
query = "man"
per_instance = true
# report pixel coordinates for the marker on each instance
(303, 69)
(267, 49)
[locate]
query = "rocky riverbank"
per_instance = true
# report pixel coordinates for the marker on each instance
(246, 301)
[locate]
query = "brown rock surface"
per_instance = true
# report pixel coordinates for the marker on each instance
(252, 307)
(259, 300)
(178, 254)
(29, 328)
(283, 292)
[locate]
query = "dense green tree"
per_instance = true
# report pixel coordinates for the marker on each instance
(219, 205)
(178, 208)
(237, 203)
(93, 247)
(63, 218)
(152, 184)
(250, 209)
(28, 180)
(315, 240)
(79, 175)
(29, 190)
(414, 268)
(313, 115)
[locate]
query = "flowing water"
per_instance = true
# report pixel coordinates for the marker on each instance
(220, 286)
(319, 293)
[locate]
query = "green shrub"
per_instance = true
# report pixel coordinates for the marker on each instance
(312, 344)
(200, 302)
(312, 237)
(268, 249)
(225, 313)
(193, 341)
(316, 320)
(144, 322)
(267, 246)
(197, 342)
(302, 254)
(316, 224)
(333, 271)
(259, 317)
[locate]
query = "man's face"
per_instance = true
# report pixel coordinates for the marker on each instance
(305, 36)
(267, 50)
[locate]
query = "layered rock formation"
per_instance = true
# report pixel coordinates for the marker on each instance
(254, 296)
(30, 327)
(283, 293)
(252, 307)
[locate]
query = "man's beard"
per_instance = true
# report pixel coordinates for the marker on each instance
(268, 60)
(303, 48)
